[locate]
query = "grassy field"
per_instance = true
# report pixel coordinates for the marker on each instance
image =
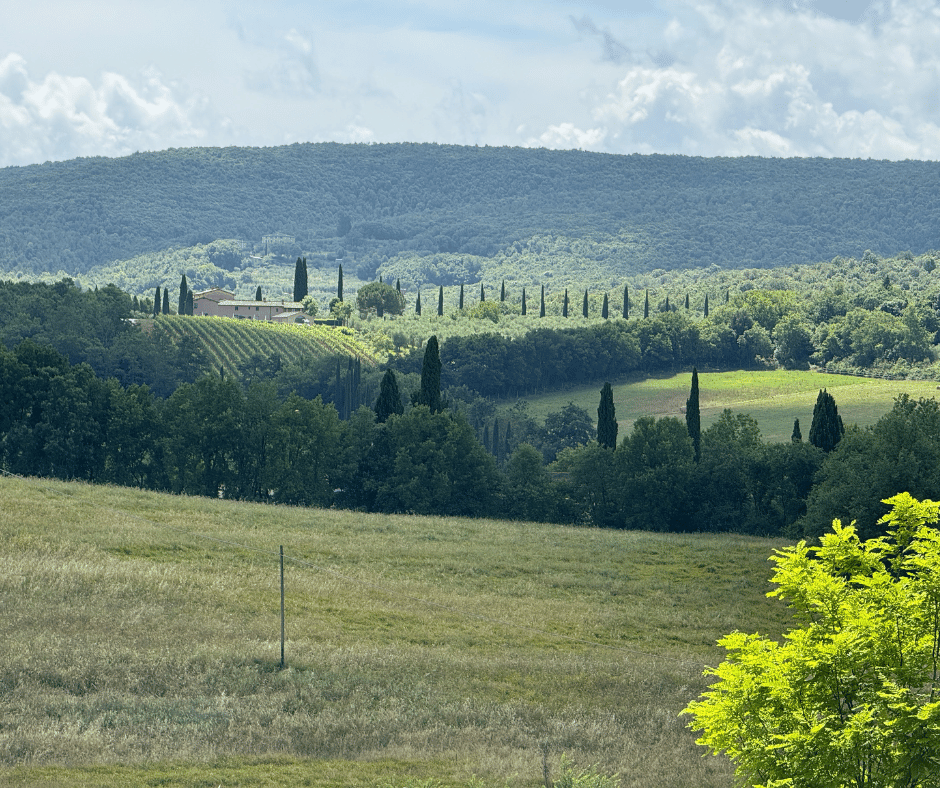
(774, 398)
(139, 644)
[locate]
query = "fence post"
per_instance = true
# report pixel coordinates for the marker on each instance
(282, 607)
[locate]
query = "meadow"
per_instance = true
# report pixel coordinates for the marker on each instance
(140, 644)
(774, 398)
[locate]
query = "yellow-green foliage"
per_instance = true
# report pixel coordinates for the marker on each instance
(143, 630)
(229, 343)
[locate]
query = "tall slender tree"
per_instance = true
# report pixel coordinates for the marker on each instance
(166, 300)
(460, 302)
(482, 294)
(157, 303)
(184, 289)
(300, 279)
(605, 309)
(646, 305)
(542, 307)
(418, 304)
(523, 301)
(564, 305)
(430, 393)
(584, 306)
(827, 428)
(440, 301)
(339, 284)
(797, 436)
(693, 416)
(626, 302)
(686, 302)
(258, 294)
(607, 419)
(502, 292)
(705, 310)
(497, 445)
(190, 302)
(389, 400)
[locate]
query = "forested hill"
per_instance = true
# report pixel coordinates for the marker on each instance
(372, 202)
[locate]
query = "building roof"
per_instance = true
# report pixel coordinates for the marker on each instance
(282, 304)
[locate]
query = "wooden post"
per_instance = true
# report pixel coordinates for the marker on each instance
(282, 607)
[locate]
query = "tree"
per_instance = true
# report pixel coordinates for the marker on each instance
(339, 284)
(184, 289)
(626, 302)
(797, 436)
(430, 393)
(190, 303)
(604, 309)
(827, 429)
(523, 301)
(564, 305)
(584, 306)
(157, 303)
(166, 301)
(418, 304)
(502, 292)
(389, 400)
(380, 297)
(607, 419)
(693, 416)
(687, 301)
(300, 280)
(258, 294)
(482, 294)
(705, 310)
(460, 301)
(848, 698)
(542, 307)
(646, 305)
(440, 301)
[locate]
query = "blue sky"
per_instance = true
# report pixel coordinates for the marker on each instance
(850, 78)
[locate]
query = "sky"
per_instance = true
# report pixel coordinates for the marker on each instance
(832, 78)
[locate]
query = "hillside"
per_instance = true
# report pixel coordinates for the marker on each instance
(436, 214)
(141, 645)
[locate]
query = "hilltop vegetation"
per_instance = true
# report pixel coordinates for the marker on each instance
(437, 214)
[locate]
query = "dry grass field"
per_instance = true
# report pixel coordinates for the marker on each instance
(140, 644)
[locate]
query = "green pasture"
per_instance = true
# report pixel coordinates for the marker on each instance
(139, 644)
(775, 398)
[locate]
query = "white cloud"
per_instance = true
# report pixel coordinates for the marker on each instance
(64, 116)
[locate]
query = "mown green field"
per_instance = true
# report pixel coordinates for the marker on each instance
(775, 398)
(139, 644)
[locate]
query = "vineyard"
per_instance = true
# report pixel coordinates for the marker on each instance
(230, 343)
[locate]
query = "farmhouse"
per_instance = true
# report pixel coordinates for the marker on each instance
(222, 303)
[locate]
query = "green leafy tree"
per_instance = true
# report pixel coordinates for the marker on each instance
(797, 436)
(693, 416)
(381, 298)
(258, 294)
(850, 698)
(430, 393)
(389, 400)
(607, 419)
(827, 429)
(184, 289)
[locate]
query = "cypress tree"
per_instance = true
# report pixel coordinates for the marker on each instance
(646, 305)
(604, 312)
(584, 306)
(686, 302)
(380, 307)
(486, 438)
(181, 304)
(797, 436)
(506, 439)
(339, 284)
(258, 294)
(430, 393)
(502, 292)
(440, 301)
(135, 304)
(338, 391)
(607, 419)
(389, 400)
(693, 417)
(190, 302)
(300, 279)
(564, 305)
(496, 444)
(157, 303)
(827, 429)
(523, 301)
(460, 303)
(667, 303)
(166, 300)
(418, 304)
(398, 286)
(706, 305)
(542, 307)
(727, 296)
(482, 294)
(626, 302)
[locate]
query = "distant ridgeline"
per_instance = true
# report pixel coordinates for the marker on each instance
(370, 203)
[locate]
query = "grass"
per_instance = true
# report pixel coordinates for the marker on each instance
(140, 644)
(774, 398)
